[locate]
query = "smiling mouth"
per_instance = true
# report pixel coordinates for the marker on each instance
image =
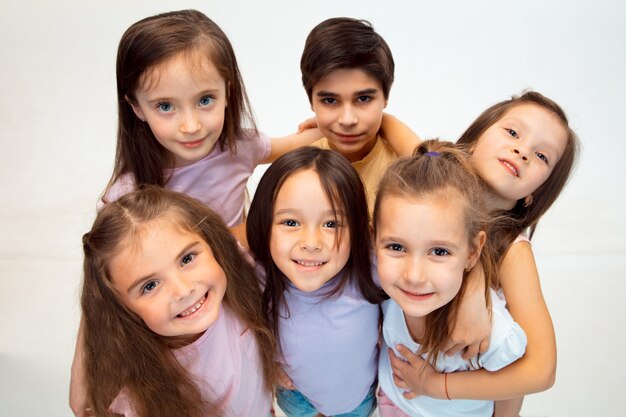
(309, 264)
(194, 307)
(192, 144)
(510, 167)
(417, 296)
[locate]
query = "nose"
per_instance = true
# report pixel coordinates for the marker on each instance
(190, 122)
(182, 287)
(311, 240)
(348, 116)
(521, 151)
(414, 273)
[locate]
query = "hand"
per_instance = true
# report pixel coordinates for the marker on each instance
(413, 374)
(471, 331)
(283, 379)
(78, 392)
(307, 124)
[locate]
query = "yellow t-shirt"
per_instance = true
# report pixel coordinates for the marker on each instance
(371, 168)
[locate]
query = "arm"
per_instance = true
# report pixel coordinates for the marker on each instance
(282, 145)
(472, 330)
(534, 372)
(401, 138)
(78, 390)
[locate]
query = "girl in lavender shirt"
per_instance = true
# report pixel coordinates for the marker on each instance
(172, 313)
(308, 227)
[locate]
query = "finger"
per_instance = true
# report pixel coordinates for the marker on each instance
(409, 395)
(484, 346)
(407, 354)
(471, 351)
(399, 382)
(455, 349)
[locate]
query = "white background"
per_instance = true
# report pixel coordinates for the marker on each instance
(453, 59)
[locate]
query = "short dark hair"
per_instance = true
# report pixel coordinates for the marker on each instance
(345, 43)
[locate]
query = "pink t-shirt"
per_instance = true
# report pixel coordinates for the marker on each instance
(218, 180)
(225, 359)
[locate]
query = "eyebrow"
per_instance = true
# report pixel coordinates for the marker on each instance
(200, 94)
(335, 213)
(367, 91)
(141, 280)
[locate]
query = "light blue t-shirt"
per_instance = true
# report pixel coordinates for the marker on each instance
(508, 343)
(330, 346)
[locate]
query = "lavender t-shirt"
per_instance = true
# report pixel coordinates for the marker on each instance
(225, 362)
(218, 180)
(330, 346)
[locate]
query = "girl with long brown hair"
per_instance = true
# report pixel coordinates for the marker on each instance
(172, 313)
(524, 151)
(430, 229)
(185, 122)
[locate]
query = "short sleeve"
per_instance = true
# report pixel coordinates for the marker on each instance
(124, 185)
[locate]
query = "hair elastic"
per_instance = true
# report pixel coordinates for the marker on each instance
(432, 153)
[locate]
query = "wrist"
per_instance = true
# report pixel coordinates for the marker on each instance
(436, 386)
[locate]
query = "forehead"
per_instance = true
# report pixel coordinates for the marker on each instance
(194, 66)
(443, 212)
(304, 187)
(347, 81)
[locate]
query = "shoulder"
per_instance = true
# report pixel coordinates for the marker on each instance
(123, 185)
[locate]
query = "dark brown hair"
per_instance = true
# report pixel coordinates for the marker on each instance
(438, 169)
(513, 222)
(121, 352)
(345, 43)
(144, 46)
(344, 189)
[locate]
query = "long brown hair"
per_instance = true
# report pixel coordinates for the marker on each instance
(437, 168)
(145, 45)
(121, 352)
(344, 189)
(521, 217)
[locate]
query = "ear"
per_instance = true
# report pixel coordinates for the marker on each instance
(477, 246)
(136, 108)
(528, 200)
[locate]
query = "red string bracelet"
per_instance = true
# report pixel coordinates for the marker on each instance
(445, 378)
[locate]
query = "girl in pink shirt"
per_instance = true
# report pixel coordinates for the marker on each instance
(184, 118)
(172, 313)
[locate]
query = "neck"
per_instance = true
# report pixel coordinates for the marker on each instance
(496, 202)
(415, 326)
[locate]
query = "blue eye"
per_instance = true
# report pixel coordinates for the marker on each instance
(439, 252)
(512, 132)
(206, 100)
(164, 107)
(149, 287)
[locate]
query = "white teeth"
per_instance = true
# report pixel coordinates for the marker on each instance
(309, 263)
(511, 167)
(192, 309)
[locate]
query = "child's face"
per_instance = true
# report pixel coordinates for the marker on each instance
(183, 101)
(304, 244)
(422, 249)
(170, 279)
(348, 106)
(517, 154)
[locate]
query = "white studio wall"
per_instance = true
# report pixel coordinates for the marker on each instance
(453, 59)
